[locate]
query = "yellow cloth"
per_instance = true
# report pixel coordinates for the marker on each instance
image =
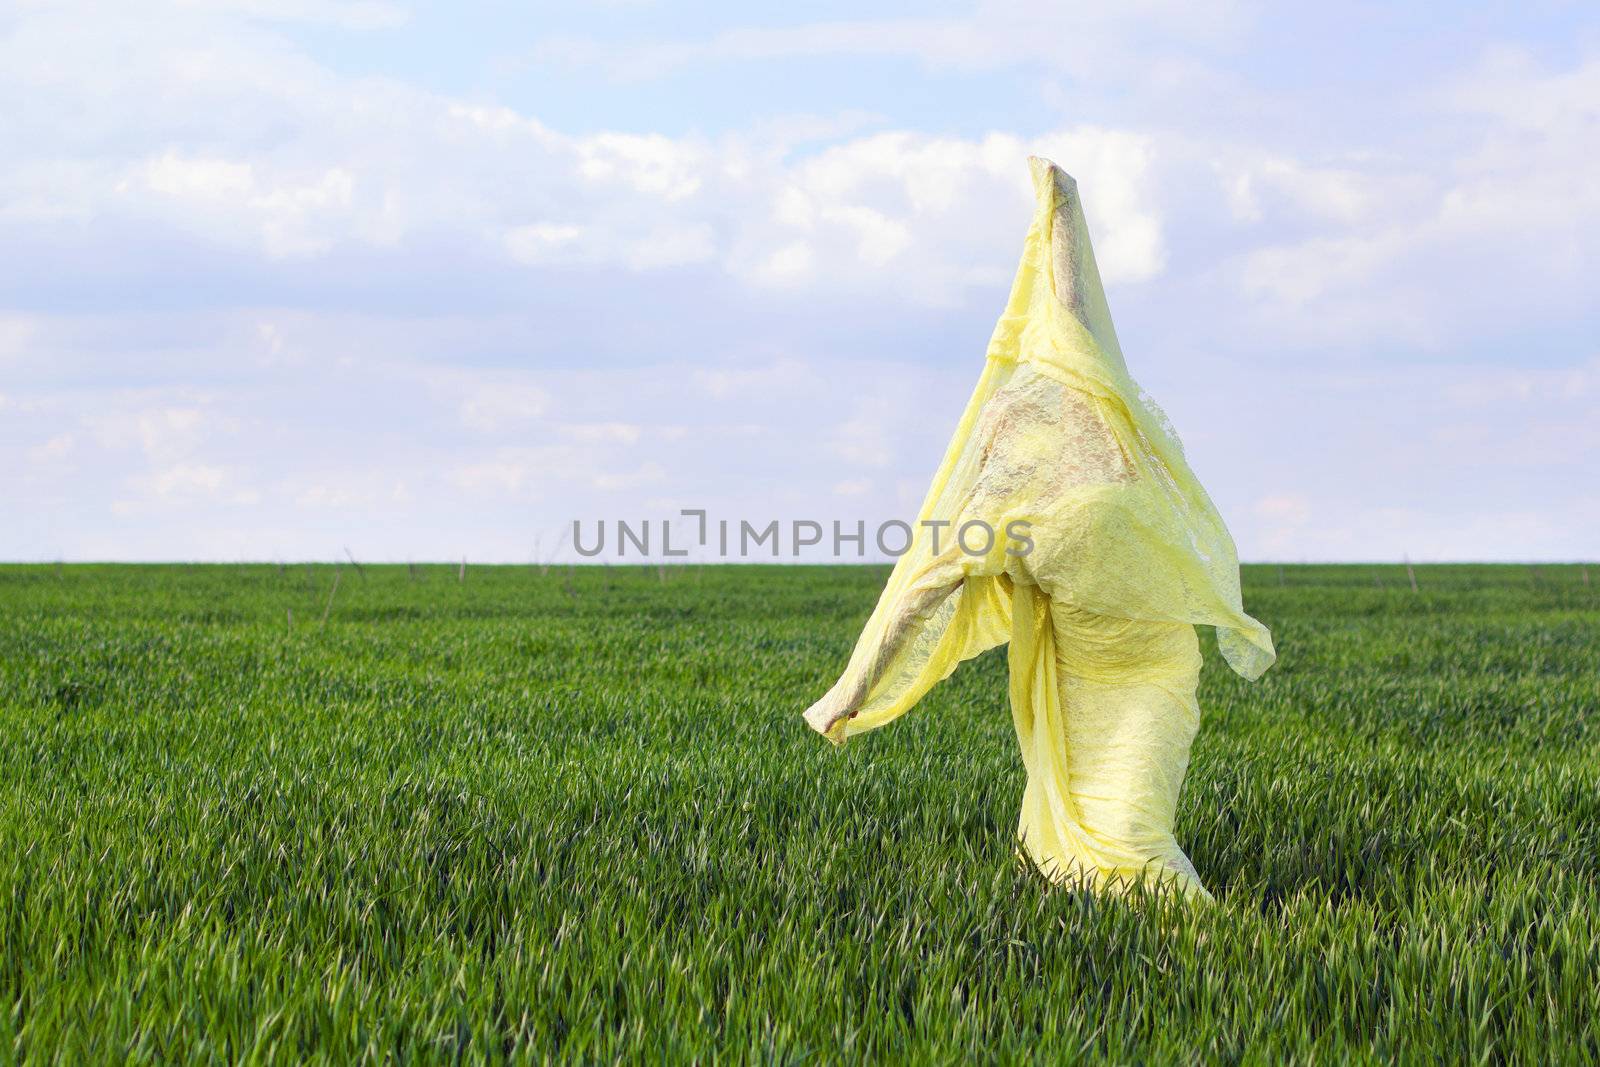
(1105, 712)
(1059, 445)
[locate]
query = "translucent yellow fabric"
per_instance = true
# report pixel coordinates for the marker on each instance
(1105, 713)
(1127, 555)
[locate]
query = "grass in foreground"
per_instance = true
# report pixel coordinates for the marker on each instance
(576, 815)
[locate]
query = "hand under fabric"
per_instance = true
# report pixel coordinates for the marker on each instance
(828, 715)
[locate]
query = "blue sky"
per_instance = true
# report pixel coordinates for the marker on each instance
(428, 281)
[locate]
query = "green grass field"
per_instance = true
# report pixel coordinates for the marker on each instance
(576, 815)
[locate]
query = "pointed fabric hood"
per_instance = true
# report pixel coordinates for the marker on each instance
(1057, 312)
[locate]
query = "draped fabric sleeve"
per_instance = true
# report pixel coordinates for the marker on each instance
(942, 624)
(942, 605)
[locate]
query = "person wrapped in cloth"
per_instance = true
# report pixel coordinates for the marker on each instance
(1122, 554)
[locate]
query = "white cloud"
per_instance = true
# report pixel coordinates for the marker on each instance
(793, 263)
(185, 481)
(335, 497)
(508, 472)
(530, 471)
(1496, 389)
(669, 246)
(1511, 88)
(1434, 248)
(358, 490)
(853, 487)
(646, 474)
(1291, 508)
(162, 433)
(58, 447)
(654, 165)
(915, 216)
(620, 433)
(314, 166)
(774, 378)
(286, 216)
(492, 408)
(541, 242)
(865, 440)
(1273, 186)
(18, 333)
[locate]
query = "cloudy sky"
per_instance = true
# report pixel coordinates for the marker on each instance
(423, 281)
